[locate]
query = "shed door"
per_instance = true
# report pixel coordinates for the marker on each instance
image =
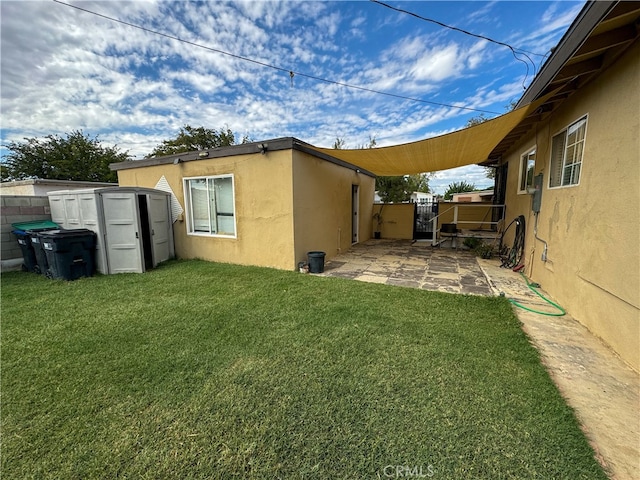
(161, 228)
(58, 215)
(122, 228)
(355, 202)
(72, 211)
(90, 218)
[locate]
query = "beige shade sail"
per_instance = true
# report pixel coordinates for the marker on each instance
(463, 147)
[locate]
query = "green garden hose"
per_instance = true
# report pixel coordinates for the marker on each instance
(532, 287)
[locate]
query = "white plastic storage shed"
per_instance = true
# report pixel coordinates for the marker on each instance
(133, 224)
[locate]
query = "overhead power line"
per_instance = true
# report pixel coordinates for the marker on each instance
(466, 32)
(514, 50)
(289, 72)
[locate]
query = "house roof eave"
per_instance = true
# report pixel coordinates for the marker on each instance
(572, 40)
(272, 145)
(601, 33)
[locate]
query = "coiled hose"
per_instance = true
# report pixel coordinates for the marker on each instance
(514, 256)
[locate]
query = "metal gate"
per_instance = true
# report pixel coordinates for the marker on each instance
(422, 220)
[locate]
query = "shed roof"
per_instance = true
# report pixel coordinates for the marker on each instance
(56, 183)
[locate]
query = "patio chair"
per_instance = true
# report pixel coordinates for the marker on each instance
(449, 231)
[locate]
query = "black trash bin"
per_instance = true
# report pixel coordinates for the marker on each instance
(70, 253)
(34, 258)
(29, 261)
(41, 255)
(316, 262)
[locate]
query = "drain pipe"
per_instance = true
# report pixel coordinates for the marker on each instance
(535, 234)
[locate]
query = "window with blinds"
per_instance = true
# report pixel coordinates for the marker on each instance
(210, 205)
(567, 149)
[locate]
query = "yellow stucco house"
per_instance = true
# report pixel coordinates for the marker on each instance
(266, 203)
(567, 159)
(572, 168)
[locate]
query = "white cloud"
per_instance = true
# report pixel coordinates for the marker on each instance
(438, 64)
(472, 174)
(63, 69)
(545, 32)
(482, 15)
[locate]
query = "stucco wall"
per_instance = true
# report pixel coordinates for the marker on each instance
(322, 206)
(471, 216)
(263, 203)
(593, 229)
(397, 220)
(21, 190)
(40, 187)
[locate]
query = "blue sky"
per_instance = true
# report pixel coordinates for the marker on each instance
(63, 69)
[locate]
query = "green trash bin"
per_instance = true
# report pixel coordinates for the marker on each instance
(70, 253)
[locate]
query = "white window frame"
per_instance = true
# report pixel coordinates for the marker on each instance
(189, 206)
(566, 131)
(524, 161)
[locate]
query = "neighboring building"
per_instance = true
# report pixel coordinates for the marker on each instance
(40, 187)
(265, 204)
(421, 197)
(478, 196)
(580, 151)
(416, 197)
(574, 140)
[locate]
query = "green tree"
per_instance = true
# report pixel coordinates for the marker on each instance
(74, 157)
(393, 189)
(190, 139)
(419, 182)
(477, 120)
(396, 189)
(458, 187)
(372, 143)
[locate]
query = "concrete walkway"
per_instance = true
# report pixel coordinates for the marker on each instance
(602, 389)
(597, 384)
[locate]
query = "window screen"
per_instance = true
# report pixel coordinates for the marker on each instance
(567, 149)
(210, 205)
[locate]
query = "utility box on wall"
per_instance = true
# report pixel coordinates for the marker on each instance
(133, 224)
(537, 193)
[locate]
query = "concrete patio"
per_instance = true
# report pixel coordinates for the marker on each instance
(602, 389)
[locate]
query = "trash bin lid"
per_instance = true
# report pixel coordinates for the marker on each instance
(35, 226)
(77, 232)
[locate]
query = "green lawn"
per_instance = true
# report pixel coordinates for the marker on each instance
(202, 370)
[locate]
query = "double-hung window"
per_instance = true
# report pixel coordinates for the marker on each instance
(527, 169)
(567, 148)
(210, 205)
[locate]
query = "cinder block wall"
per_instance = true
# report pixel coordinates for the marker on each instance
(13, 209)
